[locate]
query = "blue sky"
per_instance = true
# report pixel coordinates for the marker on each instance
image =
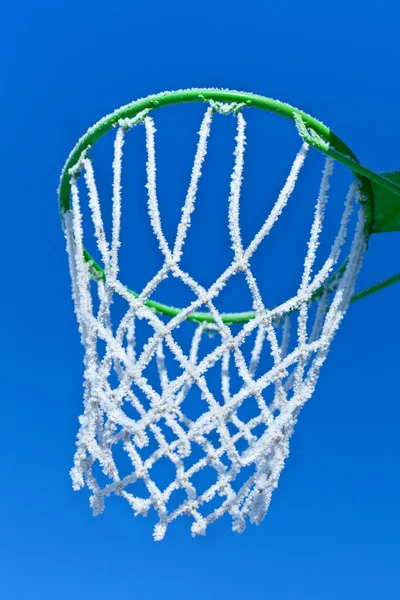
(333, 527)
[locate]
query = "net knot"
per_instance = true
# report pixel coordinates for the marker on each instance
(242, 264)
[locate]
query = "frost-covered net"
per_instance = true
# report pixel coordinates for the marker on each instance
(116, 385)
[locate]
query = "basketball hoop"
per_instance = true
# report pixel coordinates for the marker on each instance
(115, 379)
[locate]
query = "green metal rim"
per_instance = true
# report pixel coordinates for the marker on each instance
(312, 131)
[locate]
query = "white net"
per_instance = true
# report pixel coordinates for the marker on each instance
(115, 379)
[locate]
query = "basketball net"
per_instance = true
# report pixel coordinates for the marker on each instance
(105, 424)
